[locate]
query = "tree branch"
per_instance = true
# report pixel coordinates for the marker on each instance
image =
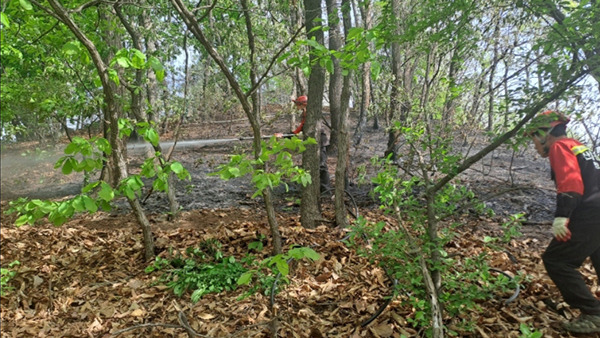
(45, 33)
(47, 10)
(209, 9)
(273, 60)
(529, 113)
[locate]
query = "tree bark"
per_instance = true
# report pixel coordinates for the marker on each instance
(395, 96)
(365, 100)
(341, 169)
(336, 78)
(309, 209)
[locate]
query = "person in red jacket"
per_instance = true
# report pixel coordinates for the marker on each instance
(301, 103)
(576, 225)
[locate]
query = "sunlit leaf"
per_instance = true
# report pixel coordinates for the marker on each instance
(26, 5)
(4, 20)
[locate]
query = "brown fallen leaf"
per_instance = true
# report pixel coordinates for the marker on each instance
(323, 277)
(382, 330)
(137, 313)
(206, 316)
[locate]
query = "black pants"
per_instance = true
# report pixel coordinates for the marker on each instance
(563, 259)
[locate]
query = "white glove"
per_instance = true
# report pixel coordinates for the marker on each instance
(560, 229)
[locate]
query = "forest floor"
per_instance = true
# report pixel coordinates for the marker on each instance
(87, 278)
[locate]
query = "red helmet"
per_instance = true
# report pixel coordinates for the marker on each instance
(301, 100)
(546, 120)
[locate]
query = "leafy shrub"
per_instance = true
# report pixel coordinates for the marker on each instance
(6, 274)
(278, 153)
(272, 269)
(415, 247)
(92, 152)
(199, 273)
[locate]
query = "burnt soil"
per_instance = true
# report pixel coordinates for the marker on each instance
(86, 278)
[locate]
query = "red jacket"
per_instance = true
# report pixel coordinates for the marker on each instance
(299, 129)
(576, 175)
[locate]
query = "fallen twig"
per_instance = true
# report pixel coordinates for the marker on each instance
(140, 326)
(183, 324)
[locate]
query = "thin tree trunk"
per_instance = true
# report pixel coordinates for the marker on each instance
(490, 124)
(111, 116)
(309, 209)
(395, 99)
(272, 220)
(140, 113)
(336, 78)
(152, 85)
(341, 169)
(365, 101)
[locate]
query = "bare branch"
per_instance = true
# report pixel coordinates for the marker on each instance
(529, 112)
(273, 60)
(210, 8)
(85, 6)
(47, 10)
(45, 33)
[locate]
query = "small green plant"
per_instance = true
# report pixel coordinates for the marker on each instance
(204, 270)
(512, 229)
(92, 152)
(414, 249)
(258, 244)
(526, 332)
(276, 152)
(268, 271)
(6, 274)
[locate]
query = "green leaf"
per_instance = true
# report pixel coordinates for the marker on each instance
(78, 204)
(90, 204)
(123, 61)
(68, 166)
(106, 192)
(103, 145)
(160, 75)
(71, 48)
(197, 294)
(375, 70)
(60, 162)
(138, 59)
(24, 219)
(233, 172)
(353, 33)
(303, 252)
(158, 68)
(245, 278)
(114, 76)
(177, 167)
(329, 65)
(488, 239)
(282, 267)
(4, 20)
(26, 5)
(160, 185)
(151, 136)
(89, 187)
